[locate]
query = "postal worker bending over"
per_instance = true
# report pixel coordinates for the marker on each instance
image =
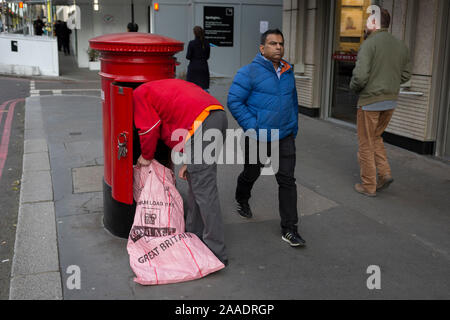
(162, 110)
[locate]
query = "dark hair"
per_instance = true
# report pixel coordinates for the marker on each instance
(385, 18)
(132, 27)
(272, 31)
(200, 34)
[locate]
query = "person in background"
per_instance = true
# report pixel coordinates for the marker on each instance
(132, 27)
(65, 38)
(38, 25)
(58, 33)
(383, 64)
(198, 54)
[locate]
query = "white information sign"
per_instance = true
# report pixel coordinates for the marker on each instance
(263, 26)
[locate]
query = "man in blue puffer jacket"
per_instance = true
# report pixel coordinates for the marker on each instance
(263, 96)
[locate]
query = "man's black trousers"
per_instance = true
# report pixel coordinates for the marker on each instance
(287, 187)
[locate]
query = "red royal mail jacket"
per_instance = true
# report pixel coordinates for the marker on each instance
(163, 106)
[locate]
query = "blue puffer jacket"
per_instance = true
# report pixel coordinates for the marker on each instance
(259, 100)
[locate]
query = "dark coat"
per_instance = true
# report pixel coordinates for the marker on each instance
(198, 71)
(38, 27)
(65, 33)
(58, 29)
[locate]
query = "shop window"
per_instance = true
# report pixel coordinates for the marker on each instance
(351, 17)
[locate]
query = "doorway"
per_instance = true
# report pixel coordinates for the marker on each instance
(350, 18)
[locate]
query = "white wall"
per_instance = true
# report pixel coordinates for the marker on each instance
(177, 18)
(250, 28)
(175, 21)
(35, 55)
(84, 34)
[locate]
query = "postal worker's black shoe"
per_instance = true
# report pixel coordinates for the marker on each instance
(243, 208)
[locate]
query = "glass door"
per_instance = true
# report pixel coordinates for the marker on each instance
(350, 20)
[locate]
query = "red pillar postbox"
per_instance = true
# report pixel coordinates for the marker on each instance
(127, 61)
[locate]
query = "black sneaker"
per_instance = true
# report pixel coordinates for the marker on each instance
(293, 238)
(243, 208)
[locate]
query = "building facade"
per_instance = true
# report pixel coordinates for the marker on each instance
(323, 38)
(233, 27)
(238, 22)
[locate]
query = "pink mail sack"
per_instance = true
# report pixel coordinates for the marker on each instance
(159, 206)
(160, 250)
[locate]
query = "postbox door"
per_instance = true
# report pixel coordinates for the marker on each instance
(106, 106)
(122, 143)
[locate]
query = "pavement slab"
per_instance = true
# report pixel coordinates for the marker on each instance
(36, 161)
(36, 186)
(36, 246)
(35, 146)
(43, 286)
(35, 133)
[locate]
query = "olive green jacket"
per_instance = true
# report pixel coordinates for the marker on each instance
(383, 64)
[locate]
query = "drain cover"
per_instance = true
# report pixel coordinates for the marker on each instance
(87, 179)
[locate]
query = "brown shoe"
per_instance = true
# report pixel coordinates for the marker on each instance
(384, 182)
(360, 189)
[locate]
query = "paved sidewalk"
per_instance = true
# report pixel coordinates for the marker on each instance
(404, 231)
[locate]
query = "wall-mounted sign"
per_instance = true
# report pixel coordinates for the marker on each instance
(14, 47)
(349, 57)
(263, 26)
(218, 23)
(107, 18)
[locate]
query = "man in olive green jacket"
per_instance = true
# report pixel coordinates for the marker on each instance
(383, 64)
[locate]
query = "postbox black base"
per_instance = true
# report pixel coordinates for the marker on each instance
(117, 217)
